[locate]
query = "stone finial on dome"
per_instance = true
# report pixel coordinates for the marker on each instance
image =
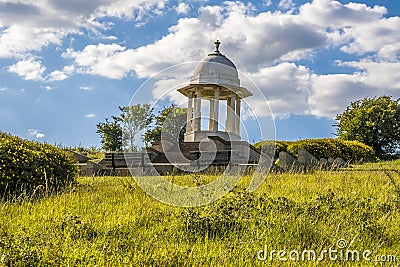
(217, 44)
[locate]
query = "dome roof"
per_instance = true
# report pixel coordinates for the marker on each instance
(216, 68)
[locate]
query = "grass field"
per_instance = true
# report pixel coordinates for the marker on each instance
(109, 221)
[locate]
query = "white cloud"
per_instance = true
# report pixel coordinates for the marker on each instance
(267, 3)
(35, 133)
(57, 76)
(286, 4)
(48, 88)
(281, 35)
(18, 40)
(136, 9)
(28, 69)
(325, 13)
(286, 87)
(380, 36)
(86, 88)
(60, 75)
(260, 44)
(182, 8)
(27, 26)
(382, 75)
(91, 115)
(333, 93)
(112, 61)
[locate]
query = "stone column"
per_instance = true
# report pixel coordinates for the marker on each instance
(237, 121)
(230, 114)
(211, 117)
(197, 114)
(189, 120)
(216, 111)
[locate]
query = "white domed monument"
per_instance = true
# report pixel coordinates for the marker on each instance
(215, 79)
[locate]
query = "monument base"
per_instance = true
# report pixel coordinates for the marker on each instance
(198, 136)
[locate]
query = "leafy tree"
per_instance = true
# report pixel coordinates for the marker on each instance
(133, 119)
(171, 121)
(373, 121)
(111, 135)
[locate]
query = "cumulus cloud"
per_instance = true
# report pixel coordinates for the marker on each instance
(381, 37)
(286, 87)
(267, 2)
(258, 43)
(331, 94)
(382, 75)
(286, 4)
(86, 88)
(27, 26)
(60, 75)
(35, 133)
(333, 13)
(109, 60)
(182, 8)
(282, 37)
(57, 76)
(91, 115)
(28, 69)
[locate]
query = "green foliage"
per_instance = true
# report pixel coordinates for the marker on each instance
(352, 151)
(279, 146)
(134, 119)
(111, 135)
(27, 166)
(372, 121)
(171, 122)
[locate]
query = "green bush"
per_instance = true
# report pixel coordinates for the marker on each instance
(26, 166)
(352, 151)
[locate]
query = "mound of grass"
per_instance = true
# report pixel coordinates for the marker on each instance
(351, 151)
(27, 166)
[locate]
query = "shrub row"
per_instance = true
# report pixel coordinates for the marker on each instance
(26, 166)
(352, 151)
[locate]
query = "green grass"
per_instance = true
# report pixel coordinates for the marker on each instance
(109, 221)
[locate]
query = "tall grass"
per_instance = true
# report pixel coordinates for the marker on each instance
(109, 221)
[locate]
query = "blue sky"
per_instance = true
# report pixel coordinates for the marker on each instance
(66, 65)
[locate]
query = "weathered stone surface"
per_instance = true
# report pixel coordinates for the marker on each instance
(80, 157)
(307, 158)
(89, 168)
(339, 163)
(287, 161)
(331, 160)
(323, 163)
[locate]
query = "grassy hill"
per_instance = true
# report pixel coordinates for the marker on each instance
(109, 221)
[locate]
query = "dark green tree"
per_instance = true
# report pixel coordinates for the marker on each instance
(110, 134)
(373, 121)
(133, 119)
(170, 122)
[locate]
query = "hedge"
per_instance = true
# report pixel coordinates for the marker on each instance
(26, 166)
(352, 151)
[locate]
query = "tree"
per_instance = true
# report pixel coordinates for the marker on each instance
(373, 121)
(133, 119)
(171, 121)
(111, 135)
